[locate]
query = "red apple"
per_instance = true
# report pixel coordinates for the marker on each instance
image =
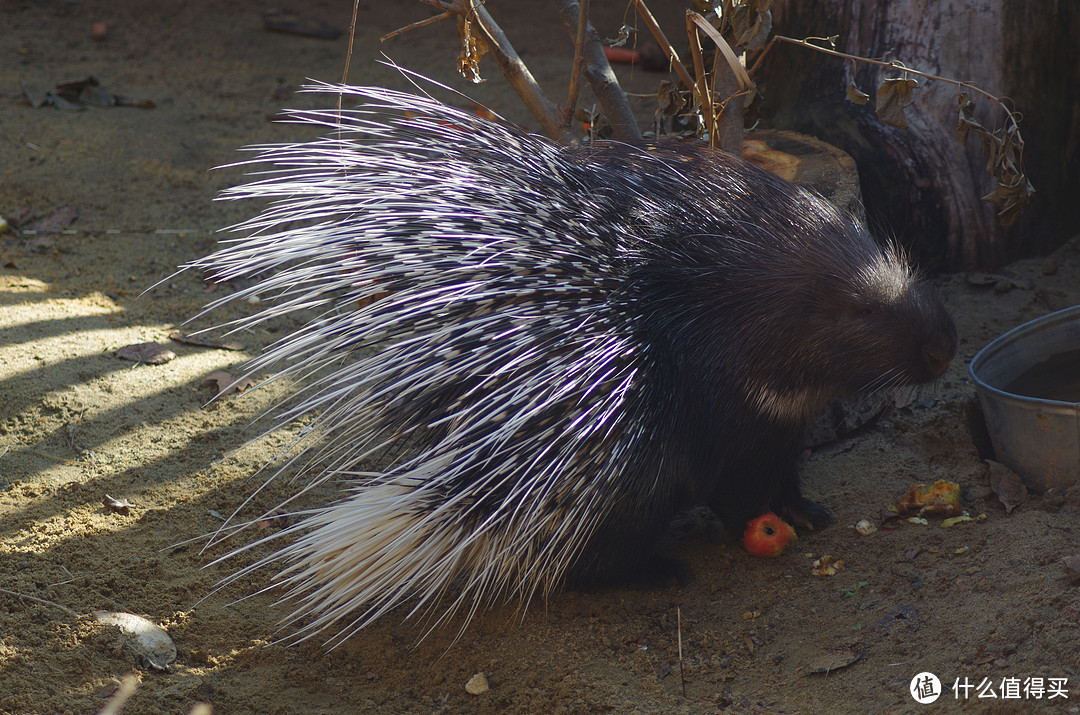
(768, 535)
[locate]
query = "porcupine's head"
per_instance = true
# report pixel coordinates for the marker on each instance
(764, 293)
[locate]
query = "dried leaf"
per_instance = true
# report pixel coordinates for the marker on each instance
(1007, 485)
(1002, 281)
(55, 222)
(892, 96)
(227, 383)
(37, 96)
(74, 87)
(1010, 200)
(149, 642)
(619, 40)
(751, 23)
(829, 662)
(472, 49)
(1004, 151)
(902, 619)
(856, 95)
(670, 100)
(97, 97)
(1072, 566)
(151, 353)
(120, 506)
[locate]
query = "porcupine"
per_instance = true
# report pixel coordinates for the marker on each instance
(576, 342)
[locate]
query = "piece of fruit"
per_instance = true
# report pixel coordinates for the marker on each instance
(768, 535)
(941, 498)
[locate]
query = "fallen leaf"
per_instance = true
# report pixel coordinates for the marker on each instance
(902, 619)
(37, 96)
(148, 641)
(55, 222)
(150, 353)
(227, 383)
(120, 506)
(1007, 485)
(828, 662)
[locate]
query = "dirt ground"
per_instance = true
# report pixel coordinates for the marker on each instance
(987, 599)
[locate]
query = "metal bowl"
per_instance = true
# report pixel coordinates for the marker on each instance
(1036, 437)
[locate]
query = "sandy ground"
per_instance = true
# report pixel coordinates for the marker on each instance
(982, 600)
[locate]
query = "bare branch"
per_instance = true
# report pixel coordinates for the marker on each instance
(599, 75)
(579, 64)
(673, 56)
(513, 68)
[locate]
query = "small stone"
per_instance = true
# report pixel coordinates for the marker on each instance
(477, 684)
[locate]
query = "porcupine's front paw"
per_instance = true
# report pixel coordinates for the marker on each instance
(803, 514)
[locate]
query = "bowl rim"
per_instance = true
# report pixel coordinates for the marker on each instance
(1010, 336)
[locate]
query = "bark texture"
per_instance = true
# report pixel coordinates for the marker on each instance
(921, 184)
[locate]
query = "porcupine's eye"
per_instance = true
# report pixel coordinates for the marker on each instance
(861, 311)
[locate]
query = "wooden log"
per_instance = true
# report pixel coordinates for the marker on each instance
(922, 183)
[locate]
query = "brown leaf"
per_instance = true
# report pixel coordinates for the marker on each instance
(625, 32)
(1010, 200)
(856, 95)
(1007, 485)
(151, 353)
(1072, 566)
(892, 96)
(1003, 281)
(74, 87)
(188, 339)
(44, 230)
(147, 641)
(472, 49)
(57, 221)
(902, 619)
(669, 99)
(966, 121)
(828, 662)
(37, 96)
(120, 506)
(752, 23)
(227, 383)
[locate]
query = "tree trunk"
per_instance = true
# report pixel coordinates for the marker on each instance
(922, 184)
